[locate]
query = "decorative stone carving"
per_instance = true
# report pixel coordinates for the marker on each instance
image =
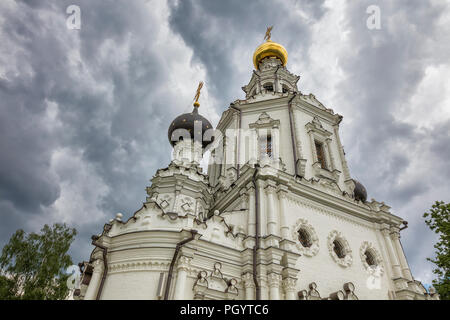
(289, 284)
(247, 278)
(349, 289)
(338, 295)
(311, 294)
(345, 261)
(215, 286)
(184, 263)
(265, 121)
(432, 294)
(164, 201)
(232, 286)
(365, 246)
(230, 177)
(274, 280)
(267, 64)
(314, 247)
(316, 122)
(329, 184)
(144, 265)
(187, 205)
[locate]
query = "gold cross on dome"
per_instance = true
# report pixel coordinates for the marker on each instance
(268, 33)
(197, 94)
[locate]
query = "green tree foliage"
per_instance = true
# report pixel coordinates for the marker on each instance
(33, 265)
(438, 221)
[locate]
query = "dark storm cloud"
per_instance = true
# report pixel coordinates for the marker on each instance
(383, 72)
(110, 83)
(222, 33)
(111, 109)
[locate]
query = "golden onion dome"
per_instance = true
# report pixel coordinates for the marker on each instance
(270, 49)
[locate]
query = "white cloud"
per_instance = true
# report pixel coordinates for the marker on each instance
(430, 103)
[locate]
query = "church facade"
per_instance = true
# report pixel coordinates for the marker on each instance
(277, 216)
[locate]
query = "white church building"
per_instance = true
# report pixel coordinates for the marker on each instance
(278, 215)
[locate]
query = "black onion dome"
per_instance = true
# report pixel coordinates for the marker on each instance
(360, 192)
(189, 122)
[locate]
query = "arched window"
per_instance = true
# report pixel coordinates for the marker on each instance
(320, 154)
(265, 146)
(304, 238)
(268, 86)
(338, 249)
(285, 89)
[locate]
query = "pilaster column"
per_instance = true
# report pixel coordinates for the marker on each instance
(276, 143)
(180, 286)
(341, 154)
(274, 286)
(225, 156)
(249, 285)
(263, 288)
(251, 212)
(276, 84)
(178, 188)
(392, 256)
(282, 198)
(395, 236)
(330, 154)
(235, 139)
(197, 153)
(262, 207)
(313, 147)
(254, 147)
(298, 141)
(301, 160)
(91, 292)
(289, 288)
(271, 213)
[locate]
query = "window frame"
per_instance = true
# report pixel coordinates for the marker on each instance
(320, 153)
(265, 149)
(306, 237)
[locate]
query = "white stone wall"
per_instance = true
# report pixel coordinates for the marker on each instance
(218, 263)
(321, 268)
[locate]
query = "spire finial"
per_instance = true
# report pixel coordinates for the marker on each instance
(268, 33)
(197, 94)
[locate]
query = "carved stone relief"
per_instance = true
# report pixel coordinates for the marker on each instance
(314, 239)
(215, 286)
(346, 260)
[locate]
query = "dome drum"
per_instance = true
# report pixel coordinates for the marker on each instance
(190, 125)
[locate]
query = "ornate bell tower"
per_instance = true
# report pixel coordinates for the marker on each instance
(278, 215)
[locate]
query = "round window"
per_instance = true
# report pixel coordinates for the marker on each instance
(338, 249)
(370, 258)
(304, 238)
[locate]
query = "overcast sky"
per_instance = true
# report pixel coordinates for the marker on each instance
(84, 113)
